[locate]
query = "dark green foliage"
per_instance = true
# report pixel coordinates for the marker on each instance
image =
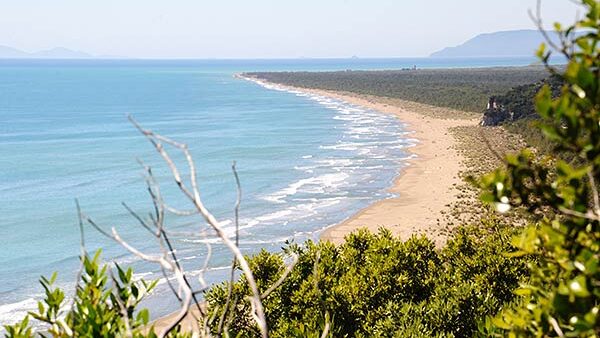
(372, 285)
(520, 100)
(462, 89)
(518, 104)
(562, 298)
(377, 285)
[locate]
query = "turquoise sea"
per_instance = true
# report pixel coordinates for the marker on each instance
(305, 162)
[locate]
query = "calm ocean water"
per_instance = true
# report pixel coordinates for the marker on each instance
(305, 162)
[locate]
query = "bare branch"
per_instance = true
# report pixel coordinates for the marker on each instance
(588, 215)
(564, 47)
(167, 259)
(237, 242)
(283, 277)
(180, 212)
(81, 233)
(185, 304)
(594, 189)
(82, 253)
(97, 227)
(166, 276)
(161, 260)
(327, 326)
(139, 219)
(556, 327)
(121, 305)
(194, 195)
(238, 201)
(168, 265)
(161, 233)
(537, 20)
(205, 266)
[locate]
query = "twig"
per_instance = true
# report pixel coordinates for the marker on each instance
(161, 234)
(587, 215)
(194, 195)
(594, 189)
(166, 276)
(121, 305)
(556, 327)
(283, 277)
(169, 266)
(563, 49)
(327, 326)
(82, 255)
(238, 201)
(136, 216)
(237, 230)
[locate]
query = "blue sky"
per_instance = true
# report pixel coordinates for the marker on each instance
(262, 28)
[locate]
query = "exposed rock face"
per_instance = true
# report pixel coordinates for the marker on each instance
(494, 116)
(518, 103)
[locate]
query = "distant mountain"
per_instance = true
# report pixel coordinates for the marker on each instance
(61, 53)
(506, 43)
(54, 53)
(8, 52)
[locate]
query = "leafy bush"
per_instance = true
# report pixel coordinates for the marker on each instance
(378, 285)
(104, 305)
(520, 100)
(372, 285)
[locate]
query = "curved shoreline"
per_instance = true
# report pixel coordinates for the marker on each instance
(424, 188)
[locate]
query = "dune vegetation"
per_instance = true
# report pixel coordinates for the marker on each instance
(461, 89)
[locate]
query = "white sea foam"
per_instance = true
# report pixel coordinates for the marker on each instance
(317, 184)
(298, 211)
(371, 141)
(275, 215)
(13, 312)
(141, 275)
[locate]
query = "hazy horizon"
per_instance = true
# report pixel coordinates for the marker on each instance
(262, 29)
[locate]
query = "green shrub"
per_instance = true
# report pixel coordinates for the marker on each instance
(104, 306)
(378, 285)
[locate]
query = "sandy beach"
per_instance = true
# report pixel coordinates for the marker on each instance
(425, 188)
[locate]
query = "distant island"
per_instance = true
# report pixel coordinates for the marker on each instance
(504, 43)
(54, 53)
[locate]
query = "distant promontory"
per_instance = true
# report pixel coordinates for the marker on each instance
(498, 44)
